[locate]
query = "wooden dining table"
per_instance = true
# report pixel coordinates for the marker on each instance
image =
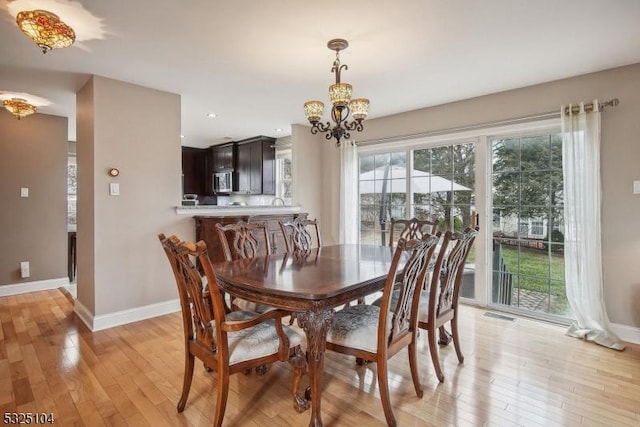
(311, 284)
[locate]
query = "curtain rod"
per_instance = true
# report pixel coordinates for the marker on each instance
(504, 122)
(588, 107)
(513, 121)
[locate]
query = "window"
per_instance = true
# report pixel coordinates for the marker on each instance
(383, 194)
(442, 183)
(72, 190)
(428, 183)
(283, 175)
(537, 227)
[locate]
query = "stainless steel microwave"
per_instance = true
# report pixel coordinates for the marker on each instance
(223, 182)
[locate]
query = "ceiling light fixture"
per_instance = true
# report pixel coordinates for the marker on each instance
(19, 107)
(343, 105)
(46, 29)
(212, 115)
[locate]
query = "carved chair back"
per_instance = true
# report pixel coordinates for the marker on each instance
(407, 287)
(411, 228)
(301, 234)
(444, 294)
(197, 304)
(243, 239)
(441, 305)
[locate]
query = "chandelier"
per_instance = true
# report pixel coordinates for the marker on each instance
(343, 105)
(19, 107)
(46, 29)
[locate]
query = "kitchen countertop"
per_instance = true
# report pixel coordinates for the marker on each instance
(215, 210)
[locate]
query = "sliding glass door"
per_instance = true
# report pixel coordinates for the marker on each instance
(514, 180)
(528, 228)
(434, 183)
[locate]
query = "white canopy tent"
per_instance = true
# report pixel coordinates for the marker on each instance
(422, 182)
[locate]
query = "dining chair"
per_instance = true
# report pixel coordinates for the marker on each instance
(226, 342)
(244, 240)
(377, 333)
(411, 228)
(440, 304)
(301, 234)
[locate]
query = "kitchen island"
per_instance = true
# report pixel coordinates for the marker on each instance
(206, 217)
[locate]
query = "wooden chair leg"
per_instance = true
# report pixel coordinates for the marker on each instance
(433, 350)
(383, 384)
(221, 399)
(413, 364)
(456, 338)
(299, 363)
(189, 362)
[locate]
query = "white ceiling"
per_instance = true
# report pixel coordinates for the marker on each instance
(254, 63)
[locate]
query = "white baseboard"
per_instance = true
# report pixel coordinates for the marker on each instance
(626, 333)
(118, 318)
(83, 313)
(37, 285)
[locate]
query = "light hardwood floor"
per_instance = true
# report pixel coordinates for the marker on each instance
(515, 373)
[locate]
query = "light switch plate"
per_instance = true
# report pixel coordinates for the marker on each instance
(24, 192)
(114, 189)
(636, 187)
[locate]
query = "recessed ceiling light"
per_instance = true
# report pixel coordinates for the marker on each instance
(182, 136)
(279, 129)
(212, 115)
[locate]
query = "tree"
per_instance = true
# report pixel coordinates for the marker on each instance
(527, 177)
(457, 164)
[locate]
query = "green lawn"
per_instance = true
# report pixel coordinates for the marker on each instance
(537, 270)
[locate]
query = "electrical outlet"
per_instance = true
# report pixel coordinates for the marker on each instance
(24, 269)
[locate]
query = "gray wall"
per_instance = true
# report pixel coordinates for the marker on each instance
(33, 154)
(121, 264)
(620, 157)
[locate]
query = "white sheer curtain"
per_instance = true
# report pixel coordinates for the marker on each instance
(348, 192)
(582, 253)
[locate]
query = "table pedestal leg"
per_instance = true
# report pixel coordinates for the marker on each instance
(316, 325)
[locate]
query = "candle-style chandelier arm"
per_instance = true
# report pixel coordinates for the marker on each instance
(355, 125)
(320, 127)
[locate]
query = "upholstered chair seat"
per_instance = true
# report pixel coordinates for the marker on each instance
(356, 327)
(257, 341)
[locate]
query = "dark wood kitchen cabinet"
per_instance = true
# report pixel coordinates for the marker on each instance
(193, 170)
(223, 157)
(256, 165)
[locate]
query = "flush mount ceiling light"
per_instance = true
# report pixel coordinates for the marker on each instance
(46, 29)
(343, 105)
(19, 107)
